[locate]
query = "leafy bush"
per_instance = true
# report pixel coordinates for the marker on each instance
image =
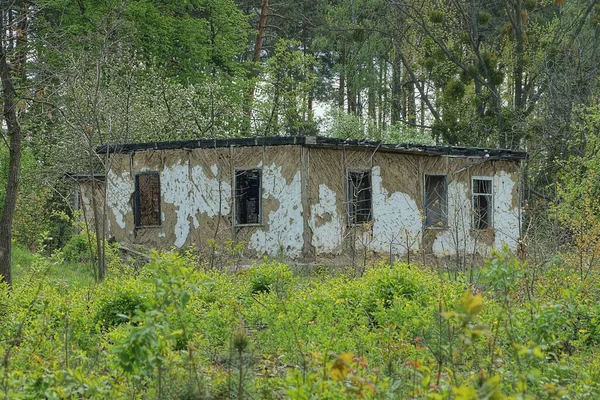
(120, 308)
(77, 249)
(397, 332)
(270, 276)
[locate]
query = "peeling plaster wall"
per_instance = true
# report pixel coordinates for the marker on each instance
(197, 200)
(398, 205)
(281, 232)
(458, 238)
(326, 223)
(304, 202)
(120, 188)
(396, 219)
(193, 192)
(506, 215)
(85, 200)
(285, 233)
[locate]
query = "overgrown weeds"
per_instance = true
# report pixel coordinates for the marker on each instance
(176, 331)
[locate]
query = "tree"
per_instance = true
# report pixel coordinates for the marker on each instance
(13, 55)
(488, 62)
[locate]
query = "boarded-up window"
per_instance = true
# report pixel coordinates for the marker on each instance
(359, 197)
(147, 199)
(248, 196)
(436, 201)
(482, 202)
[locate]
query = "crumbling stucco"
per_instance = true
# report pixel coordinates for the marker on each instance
(120, 189)
(326, 223)
(506, 216)
(304, 202)
(396, 219)
(284, 233)
(460, 238)
(192, 192)
(457, 239)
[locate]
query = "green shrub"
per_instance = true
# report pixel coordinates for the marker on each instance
(270, 276)
(77, 249)
(120, 308)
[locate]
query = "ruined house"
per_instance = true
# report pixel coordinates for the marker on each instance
(313, 199)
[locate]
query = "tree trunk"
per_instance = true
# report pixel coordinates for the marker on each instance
(396, 108)
(350, 92)
(14, 134)
(519, 103)
(258, 46)
(342, 87)
(309, 96)
(411, 105)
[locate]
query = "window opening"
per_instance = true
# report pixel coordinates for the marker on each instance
(248, 196)
(359, 197)
(436, 201)
(147, 199)
(482, 202)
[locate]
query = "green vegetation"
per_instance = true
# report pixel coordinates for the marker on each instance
(175, 331)
(78, 74)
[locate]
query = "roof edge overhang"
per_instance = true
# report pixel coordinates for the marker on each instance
(320, 142)
(85, 177)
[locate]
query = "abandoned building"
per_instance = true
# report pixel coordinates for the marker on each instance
(312, 199)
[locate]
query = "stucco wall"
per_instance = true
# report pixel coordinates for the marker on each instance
(197, 199)
(397, 227)
(304, 203)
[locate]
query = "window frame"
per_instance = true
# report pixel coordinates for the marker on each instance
(137, 216)
(490, 223)
(260, 199)
(426, 202)
(350, 217)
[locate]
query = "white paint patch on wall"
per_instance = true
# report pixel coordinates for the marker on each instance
(118, 196)
(396, 219)
(326, 235)
(461, 238)
(506, 217)
(286, 224)
(457, 239)
(193, 195)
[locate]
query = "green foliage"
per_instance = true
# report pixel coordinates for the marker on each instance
(342, 125)
(269, 277)
(288, 79)
(77, 249)
(577, 207)
(436, 17)
(397, 332)
(81, 249)
(187, 39)
(33, 220)
(483, 18)
(120, 308)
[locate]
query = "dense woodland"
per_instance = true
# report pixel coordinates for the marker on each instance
(518, 74)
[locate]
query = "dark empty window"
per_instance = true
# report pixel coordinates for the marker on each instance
(147, 199)
(436, 201)
(359, 197)
(482, 202)
(247, 196)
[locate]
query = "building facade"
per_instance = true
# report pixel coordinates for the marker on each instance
(313, 199)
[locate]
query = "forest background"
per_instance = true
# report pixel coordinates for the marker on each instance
(518, 74)
(514, 74)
